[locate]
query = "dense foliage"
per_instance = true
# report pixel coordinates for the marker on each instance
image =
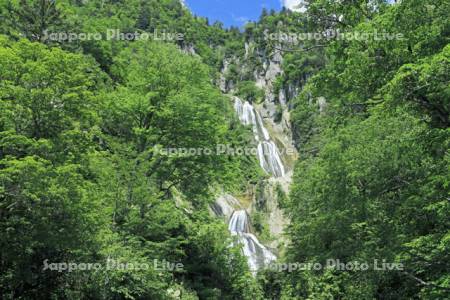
(373, 180)
(85, 176)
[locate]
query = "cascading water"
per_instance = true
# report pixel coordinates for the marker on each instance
(269, 158)
(268, 153)
(257, 255)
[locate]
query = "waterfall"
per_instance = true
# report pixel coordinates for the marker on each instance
(257, 254)
(270, 161)
(268, 154)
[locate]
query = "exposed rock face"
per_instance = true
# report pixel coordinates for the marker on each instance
(222, 78)
(260, 77)
(273, 118)
(291, 91)
(274, 68)
(282, 97)
(225, 205)
(274, 109)
(268, 196)
(277, 120)
(322, 102)
(247, 50)
(188, 49)
(225, 85)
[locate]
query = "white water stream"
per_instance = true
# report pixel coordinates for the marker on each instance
(257, 254)
(268, 153)
(270, 161)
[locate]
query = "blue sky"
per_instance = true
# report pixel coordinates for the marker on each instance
(238, 12)
(231, 12)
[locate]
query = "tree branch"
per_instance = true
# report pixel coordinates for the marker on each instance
(299, 50)
(424, 283)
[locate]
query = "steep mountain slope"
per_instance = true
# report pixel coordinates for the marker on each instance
(100, 169)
